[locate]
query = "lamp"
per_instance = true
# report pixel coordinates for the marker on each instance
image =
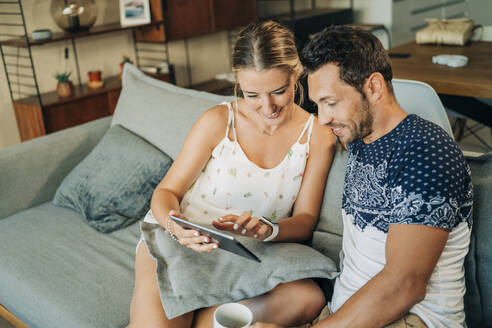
(74, 15)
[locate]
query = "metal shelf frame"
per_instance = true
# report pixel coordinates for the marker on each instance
(17, 56)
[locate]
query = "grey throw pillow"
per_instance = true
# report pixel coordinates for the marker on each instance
(113, 185)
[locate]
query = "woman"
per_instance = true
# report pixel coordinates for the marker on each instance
(242, 160)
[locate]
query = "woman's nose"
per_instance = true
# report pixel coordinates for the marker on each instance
(268, 105)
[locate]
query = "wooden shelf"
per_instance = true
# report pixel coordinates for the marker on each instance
(111, 83)
(61, 36)
(80, 91)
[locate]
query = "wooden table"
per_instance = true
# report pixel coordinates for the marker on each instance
(473, 80)
(457, 87)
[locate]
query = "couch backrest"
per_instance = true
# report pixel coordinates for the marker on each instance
(160, 112)
(478, 262)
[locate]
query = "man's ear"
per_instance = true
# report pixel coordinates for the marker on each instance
(374, 87)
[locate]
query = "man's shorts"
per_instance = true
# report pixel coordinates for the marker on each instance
(410, 320)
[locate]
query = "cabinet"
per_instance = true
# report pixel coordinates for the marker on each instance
(190, 18)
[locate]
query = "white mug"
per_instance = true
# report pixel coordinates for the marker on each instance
(232, 315)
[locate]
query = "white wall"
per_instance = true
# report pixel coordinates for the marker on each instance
(480, 11)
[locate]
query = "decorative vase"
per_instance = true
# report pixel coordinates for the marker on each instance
(64, 89)
(74, 15)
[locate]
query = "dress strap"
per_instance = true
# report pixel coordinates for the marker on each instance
(309, 127)
(230, 120)
(232, 117)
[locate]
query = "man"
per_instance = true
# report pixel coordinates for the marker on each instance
(407, 194)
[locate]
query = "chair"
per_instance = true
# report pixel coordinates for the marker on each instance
(420, 98)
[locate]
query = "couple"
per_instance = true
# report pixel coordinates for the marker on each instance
(407, 193)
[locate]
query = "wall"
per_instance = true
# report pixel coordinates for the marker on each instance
(209, 55)
(481, 11)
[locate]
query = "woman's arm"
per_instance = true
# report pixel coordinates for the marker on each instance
(308, 203)
(205, 134)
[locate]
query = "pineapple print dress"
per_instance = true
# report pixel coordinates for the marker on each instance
(231, 183)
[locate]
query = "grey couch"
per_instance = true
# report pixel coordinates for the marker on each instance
(57, 271)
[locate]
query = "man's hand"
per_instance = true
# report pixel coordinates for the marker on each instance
(265, 325)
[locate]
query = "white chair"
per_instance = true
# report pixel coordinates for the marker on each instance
(419, 98)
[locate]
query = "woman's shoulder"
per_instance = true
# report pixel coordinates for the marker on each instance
(322, 136)
(215, 116)
(213, 122)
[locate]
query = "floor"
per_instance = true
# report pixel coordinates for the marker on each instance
(468, 143)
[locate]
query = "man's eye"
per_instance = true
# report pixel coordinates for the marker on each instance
(251, 96)
(332, 103)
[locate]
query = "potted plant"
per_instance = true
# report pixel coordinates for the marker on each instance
(125, 59)
(64, 88)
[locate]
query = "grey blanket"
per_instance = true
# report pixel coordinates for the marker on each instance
(189, 280)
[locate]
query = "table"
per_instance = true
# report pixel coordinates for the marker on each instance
(457, 87)
(472, 80)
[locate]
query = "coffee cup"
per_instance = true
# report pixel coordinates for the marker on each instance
(232, 315)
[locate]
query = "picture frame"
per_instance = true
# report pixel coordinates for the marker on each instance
(134, 12)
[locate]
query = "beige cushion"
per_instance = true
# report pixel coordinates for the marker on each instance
(446, 31)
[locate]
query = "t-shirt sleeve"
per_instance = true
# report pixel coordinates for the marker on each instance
(431, 185)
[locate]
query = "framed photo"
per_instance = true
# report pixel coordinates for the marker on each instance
(134, 12)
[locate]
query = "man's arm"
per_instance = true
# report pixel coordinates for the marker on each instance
(412, 252)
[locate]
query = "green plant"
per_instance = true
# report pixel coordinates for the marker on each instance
(126, 59)
(63, 77)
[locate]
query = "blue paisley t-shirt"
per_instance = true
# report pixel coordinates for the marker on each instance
(415, 174)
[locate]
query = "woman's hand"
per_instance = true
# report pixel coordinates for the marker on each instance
(244, 225)
(191, 238)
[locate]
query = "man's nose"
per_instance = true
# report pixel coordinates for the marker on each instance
(324, 117)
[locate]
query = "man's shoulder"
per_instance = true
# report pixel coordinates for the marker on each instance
(419, 136)
(417, 130)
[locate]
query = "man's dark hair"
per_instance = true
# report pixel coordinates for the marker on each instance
(357, 53)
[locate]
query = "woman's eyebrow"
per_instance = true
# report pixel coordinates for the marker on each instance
(282, 87)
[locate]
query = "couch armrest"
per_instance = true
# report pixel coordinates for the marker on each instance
(32, 171)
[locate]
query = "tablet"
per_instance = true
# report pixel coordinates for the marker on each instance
(226, 242)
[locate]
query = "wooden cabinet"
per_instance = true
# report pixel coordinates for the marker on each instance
(189, 18)
(59, 113)
(229, 14)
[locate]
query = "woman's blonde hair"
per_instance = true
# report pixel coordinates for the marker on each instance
(266, 45)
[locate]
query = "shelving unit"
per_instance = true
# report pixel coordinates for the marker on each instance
(40, 113)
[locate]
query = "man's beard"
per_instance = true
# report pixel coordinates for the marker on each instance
(363, 127)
